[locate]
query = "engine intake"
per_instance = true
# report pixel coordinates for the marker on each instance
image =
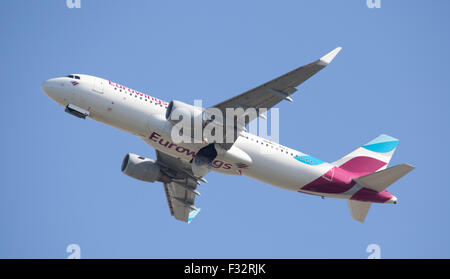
(181, 108)
(141, 168)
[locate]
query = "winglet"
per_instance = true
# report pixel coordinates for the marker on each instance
(327, 58)
(193, 214)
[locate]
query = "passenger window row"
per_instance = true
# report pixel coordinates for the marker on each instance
(145, 99)
(284, 151)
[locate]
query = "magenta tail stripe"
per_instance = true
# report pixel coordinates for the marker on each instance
(335, 181)
(362, 165)
(369, 195)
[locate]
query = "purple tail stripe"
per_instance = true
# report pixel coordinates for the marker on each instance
(339, 180)
(362, 165)
(335, 181)
(368, 195)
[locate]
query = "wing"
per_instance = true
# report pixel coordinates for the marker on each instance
(180, 185)
(271, 93)
(181, 189)
(181, 201)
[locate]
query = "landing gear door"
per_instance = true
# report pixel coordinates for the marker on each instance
(98, 85)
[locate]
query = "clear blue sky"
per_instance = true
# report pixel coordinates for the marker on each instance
(60, 176)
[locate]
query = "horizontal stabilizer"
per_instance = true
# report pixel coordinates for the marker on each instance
(359, 209)
(380, 180)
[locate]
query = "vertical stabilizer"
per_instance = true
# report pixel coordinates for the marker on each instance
(371, 157)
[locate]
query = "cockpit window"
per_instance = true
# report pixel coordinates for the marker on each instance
(72, 76)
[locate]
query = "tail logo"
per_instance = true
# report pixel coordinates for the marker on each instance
(382, 144)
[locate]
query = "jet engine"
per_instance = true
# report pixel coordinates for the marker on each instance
(187, 118)
(199, 118)
(202, 162)
(177, 108)
(142, 168)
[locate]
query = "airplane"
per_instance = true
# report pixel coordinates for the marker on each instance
(361, 177)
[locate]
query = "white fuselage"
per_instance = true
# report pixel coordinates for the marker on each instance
(144, 116)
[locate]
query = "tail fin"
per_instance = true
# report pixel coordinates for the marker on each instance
(371, 157)
(378, 182)
(367, 166)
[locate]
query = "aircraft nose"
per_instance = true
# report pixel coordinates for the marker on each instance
(46, 85)
(50, 88)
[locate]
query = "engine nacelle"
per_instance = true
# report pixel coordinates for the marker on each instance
(141, 168)
(188, 119)
(177, 108)
(198, 120)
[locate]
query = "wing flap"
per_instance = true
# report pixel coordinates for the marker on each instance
(181, 201)
(169, 200)
(181, 190)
